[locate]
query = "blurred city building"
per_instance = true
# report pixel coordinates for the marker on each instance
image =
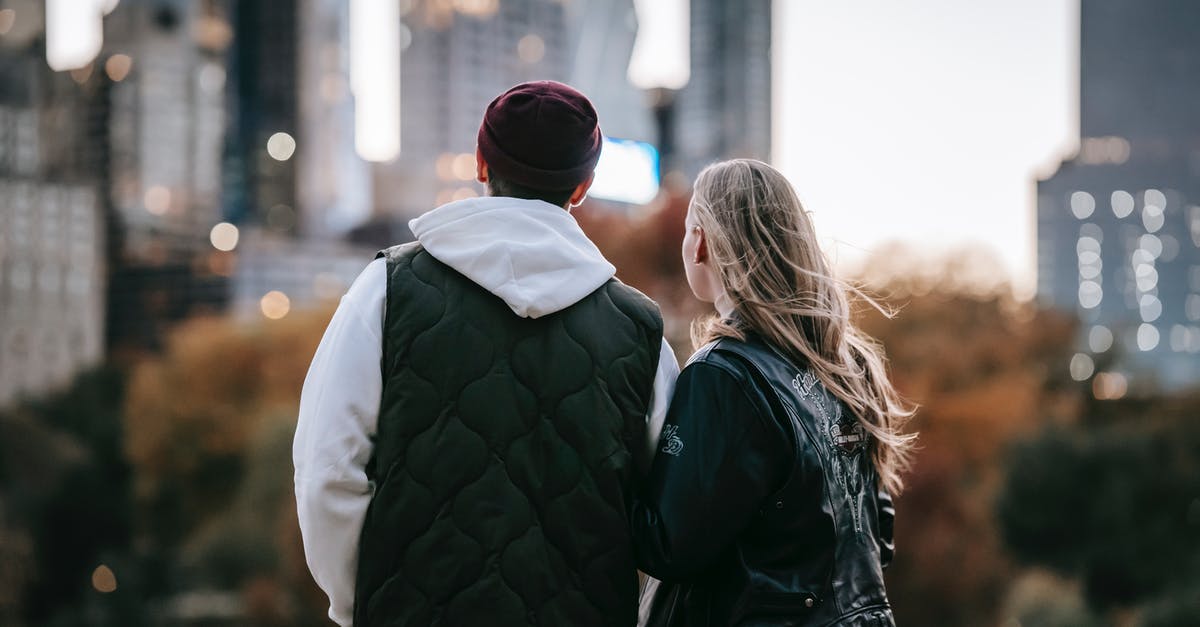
(163, 70)
(52, 227)
(455, 58)
(601, 36)
(263, 136)
(333, 183)
(275, 276)
(725, 110)
(1119, 223)
(294, 186)
(206, 157)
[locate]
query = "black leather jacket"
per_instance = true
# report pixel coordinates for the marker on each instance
(762, 505)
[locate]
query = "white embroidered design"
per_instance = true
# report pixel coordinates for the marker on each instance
(847, 439)
(671, 442)
(804, 382)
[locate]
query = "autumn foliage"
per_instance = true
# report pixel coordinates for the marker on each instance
(209, 426)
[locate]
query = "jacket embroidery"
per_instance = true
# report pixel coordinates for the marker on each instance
(846, 437)
(672, 443)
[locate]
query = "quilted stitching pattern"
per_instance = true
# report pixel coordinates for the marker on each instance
(503, 457)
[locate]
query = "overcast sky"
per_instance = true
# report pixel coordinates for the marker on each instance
(925, 121)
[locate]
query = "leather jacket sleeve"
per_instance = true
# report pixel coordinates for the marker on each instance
(887, 520)
(718, 458)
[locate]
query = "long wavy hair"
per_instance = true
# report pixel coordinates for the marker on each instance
(763, 246)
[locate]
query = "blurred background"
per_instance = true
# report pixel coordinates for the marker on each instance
(187, 188)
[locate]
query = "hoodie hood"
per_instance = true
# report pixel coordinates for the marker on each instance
(528, 252)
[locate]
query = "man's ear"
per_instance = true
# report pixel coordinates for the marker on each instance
(481, 173)
(581, 191)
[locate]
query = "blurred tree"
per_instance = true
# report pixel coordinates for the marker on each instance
(1116, 503)
(249, 547)
(66, 498)
(210, 426)
(984, 370)
(192, 413)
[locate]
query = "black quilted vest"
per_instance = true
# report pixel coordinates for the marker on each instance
(503, 464)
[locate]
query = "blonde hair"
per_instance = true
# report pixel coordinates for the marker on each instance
(764, 250)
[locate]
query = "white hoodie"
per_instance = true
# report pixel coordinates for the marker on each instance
(529, 253)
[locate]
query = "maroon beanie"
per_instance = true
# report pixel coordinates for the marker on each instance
(543, 135)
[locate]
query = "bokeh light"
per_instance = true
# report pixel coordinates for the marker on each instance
(1151, 244)
(1155, 197)
(1082, 367)
(224, 236)
(1150, 307)
(1100, 339)
(1082, 205)
(1109, 386)
(1147, 337)
(531, 48)
(1152, 218)
(117, 67)
(444, 166)
(1146, 277)
(463, 166)
(281, 146)
(275, 304)
(1087, 244)
(1122, 203)
(104, 580)
(1090, 294)
(157, 200)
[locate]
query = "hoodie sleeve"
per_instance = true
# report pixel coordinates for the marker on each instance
(664, 386)
(339, 414)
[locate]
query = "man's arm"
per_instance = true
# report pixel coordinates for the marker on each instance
(339, 414)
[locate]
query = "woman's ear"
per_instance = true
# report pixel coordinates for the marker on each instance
(701, 246)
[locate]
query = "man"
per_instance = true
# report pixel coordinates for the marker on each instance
(471, 423)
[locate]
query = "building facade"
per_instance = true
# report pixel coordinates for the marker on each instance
(52, 227)
(455, 58)
(1119, 223)
(333, 184)
(725, 110)
(163, 66)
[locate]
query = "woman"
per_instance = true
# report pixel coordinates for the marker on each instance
(768, 500)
